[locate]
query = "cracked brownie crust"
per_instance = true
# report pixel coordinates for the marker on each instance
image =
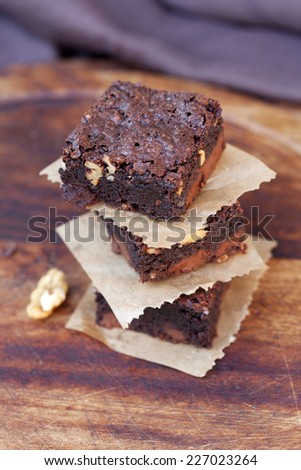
(190, 319)
(144, 150)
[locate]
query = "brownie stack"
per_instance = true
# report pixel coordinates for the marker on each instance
(151, 152)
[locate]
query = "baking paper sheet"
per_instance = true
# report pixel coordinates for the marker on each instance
(189, 359)
(120, 284)
(236, 173)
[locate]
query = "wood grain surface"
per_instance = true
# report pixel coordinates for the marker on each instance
(63, 390)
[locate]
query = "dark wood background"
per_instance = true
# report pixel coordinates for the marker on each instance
(62, 390)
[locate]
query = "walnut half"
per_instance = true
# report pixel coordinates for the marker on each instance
(50, 293)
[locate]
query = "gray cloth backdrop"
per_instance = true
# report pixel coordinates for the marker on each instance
(250, 45)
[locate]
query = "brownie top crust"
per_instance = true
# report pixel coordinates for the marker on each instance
(145, 131)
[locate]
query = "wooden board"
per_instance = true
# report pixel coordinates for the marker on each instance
(63, 390)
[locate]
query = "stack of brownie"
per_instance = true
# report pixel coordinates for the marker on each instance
(151, 152)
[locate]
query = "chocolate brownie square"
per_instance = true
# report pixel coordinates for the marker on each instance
(143, 150)
(190, 319)
(225, 237)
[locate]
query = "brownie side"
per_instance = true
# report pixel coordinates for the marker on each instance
(190, 319)
(143, 150)
(225, 237)
(104, 314)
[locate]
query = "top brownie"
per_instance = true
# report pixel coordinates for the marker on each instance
(143, 150)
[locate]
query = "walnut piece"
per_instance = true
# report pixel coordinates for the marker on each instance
(110, 169)
(222, 258)
(50, 293)
(153, 251)
(180, 189)
(191, 238)
(202, 156)
(94, 172)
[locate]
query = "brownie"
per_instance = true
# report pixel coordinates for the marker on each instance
(190, 319)
(225, 237)
(143, 150)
